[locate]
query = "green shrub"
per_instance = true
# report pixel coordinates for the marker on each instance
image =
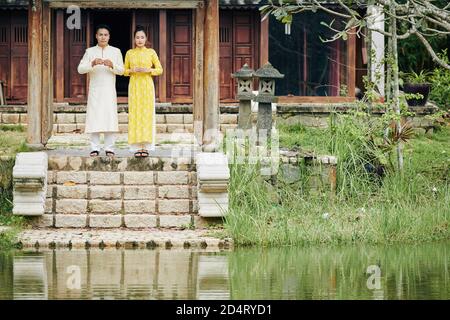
(440, 85)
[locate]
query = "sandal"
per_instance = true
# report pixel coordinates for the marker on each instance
(138, 154)
(110, 153)
(94, 153)
(144, 153)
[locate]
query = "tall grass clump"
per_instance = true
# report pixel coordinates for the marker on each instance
(373, 203)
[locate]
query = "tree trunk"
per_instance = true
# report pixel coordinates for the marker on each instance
(396, 90)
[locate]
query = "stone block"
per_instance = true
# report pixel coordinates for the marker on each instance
(174, 118)
(10, 118)
(123, 118)
(139, 206)
(81, 127)
(204, 223)
(189, 128)
(160, 119)
(43, 221)
(71, 192)
(175, 128)
(48, 206)
(168, 221)
(105, 206)
(173, 177)
(161, 128)
(23, 118)
(228, 118)
(173, 206)
(188, 118)
(105, 221)
(123, 128)
(65, 118)
(105, 192)
(67, 128)
(49, 191)
(51, 177)
(140, 221)
(104, 178)
(75, 163)
(174, 192)
(193, 178)
(140, 192)
(138, 177)
(70, 221)
(71, 176)
(71, 206)
(80, 118)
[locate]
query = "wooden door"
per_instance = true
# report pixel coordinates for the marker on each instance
(5, 51)
(180, 73)
(226, 55)
(19, 56)
(239, 43)
(75, 47)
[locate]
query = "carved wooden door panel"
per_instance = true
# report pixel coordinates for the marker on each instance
(180, 73)
(226, 54)
(19, 56)
(5, 51)
(75, 47)
(239, 43)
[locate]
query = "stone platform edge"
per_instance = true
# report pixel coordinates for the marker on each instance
(119, 239)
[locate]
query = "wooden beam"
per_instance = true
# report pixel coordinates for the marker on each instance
(264, 42)
(47, 75)
(315, 99)
(211, 76)
(162, 80)
(198, 101)
(59, 56)
(35, 61)
(137, 4)
(351, 63)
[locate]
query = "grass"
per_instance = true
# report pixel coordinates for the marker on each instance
(409, 207)
(12, 141)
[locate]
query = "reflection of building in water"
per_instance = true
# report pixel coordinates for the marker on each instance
(30, 277)
(212, 278)
(121, 274)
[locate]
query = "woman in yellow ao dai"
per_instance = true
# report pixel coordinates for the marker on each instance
(141, 64)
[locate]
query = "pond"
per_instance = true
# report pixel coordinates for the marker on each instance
(355, 272)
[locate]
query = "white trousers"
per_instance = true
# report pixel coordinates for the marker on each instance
(110, 140)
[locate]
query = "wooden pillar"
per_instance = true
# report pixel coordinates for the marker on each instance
(35, 61)
(47, 75)
(211, 77)
(198, 101)
(163, 54)
(351, 63)
(264, 42)
(59, 63)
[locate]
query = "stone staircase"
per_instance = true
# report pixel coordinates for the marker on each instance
(102, 192)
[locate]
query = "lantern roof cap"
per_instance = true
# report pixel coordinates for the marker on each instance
(268, 71)
(244, 72)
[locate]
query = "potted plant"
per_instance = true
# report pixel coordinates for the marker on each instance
(416, 84)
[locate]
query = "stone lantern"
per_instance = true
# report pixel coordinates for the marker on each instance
(245, 94)
(266, 96)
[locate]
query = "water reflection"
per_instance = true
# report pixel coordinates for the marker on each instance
(396, 272)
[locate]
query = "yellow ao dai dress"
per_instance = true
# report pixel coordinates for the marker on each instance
(141, 95)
